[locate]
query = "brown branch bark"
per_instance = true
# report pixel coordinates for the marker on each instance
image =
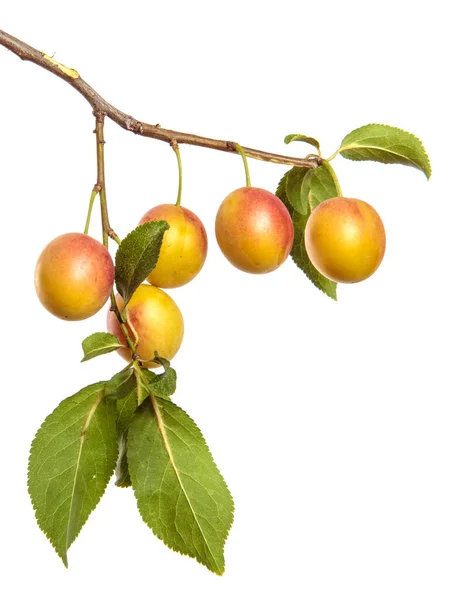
(102, 107)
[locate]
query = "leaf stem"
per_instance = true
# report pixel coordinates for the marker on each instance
(335, 154)
(94, 193)
(240, 150)
(123, 326)
(175, 147)
(134, 332)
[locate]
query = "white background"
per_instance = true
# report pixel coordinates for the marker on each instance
(341, 428)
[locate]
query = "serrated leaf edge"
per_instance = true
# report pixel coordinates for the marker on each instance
(158, 418)
(331, 170)
(357, 146)
(299, 137)
(52, 543)
(165, 227)
(101, 350)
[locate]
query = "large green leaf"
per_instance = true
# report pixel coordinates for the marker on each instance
(137, 256)
(180, 492)
(324, 186)
(386, 144)
(72, 459)
(99, 343)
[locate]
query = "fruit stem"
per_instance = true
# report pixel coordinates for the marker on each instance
(94, 193)
(175, 147)
(240, 150)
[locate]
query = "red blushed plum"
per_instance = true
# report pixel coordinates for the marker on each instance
(345, 239)
(254, 230)
(157, 320)
(74, 276)
(184, 248)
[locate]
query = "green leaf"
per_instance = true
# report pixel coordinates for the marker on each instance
(125, 408)
(324, 184)
(161, 384)
(159, 359)
(137, 256)
(121, 384)
(127, 403)
(386, 144)
(99, 343)
(164, 384)
(298, 189)
(298, 137)
(72, 459)
(321, 188)
(181, 494)
(122, 476)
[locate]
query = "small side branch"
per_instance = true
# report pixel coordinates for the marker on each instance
(107, 231)
(102, 107)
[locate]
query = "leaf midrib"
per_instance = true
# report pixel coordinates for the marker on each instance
(106, 347)
(162, 428)
(92, 410)
(133, 281)
(381, 149)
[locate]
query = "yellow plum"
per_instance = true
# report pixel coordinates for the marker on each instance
(157, 320)
(345, 239)
(184, 248)
(74, 276)
(254, 230)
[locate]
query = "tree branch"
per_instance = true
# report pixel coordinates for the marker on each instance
(102, 107)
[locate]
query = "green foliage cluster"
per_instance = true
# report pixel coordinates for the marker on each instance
(129, 426)
(302, 189)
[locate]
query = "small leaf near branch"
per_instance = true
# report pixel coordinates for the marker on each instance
(161, 384)
(162, 361)
(298, 137)
(180, 492)
(137, 256)
(99, 343)
(71, 461)
(386, 144)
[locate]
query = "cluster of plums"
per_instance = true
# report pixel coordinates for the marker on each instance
(344, 239)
